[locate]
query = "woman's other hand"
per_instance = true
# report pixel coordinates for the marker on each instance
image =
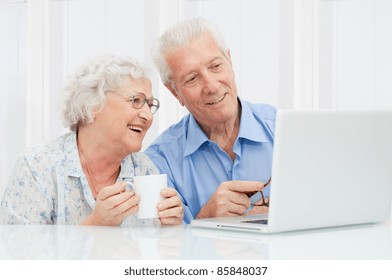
(170, 210)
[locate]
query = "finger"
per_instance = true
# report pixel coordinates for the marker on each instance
(172, 212)
(130, 211)
(168, 192)
(117, 199)
(223, 210)
(111, 190)
(126, 205)
(237, 209)
(224, 202)
(244, 186)
(169, 203)
(259, 210)
(239, 199)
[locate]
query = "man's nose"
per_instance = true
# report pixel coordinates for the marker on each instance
(210, 83)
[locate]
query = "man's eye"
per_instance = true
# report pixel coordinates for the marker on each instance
(191, 80)
(216, 66)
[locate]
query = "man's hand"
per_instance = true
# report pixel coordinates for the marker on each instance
(259, 209)
(230, 199)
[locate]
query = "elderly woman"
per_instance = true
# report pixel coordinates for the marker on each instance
(79, 178)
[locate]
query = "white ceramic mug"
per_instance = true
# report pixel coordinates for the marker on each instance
(149, 189)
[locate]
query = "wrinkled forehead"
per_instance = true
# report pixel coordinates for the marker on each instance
(201, 51)
(131, 85)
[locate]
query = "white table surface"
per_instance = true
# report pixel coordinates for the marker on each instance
(185, 242)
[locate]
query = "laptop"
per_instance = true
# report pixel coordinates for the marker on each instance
(330, 168)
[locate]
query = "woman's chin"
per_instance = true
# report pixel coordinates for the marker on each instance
(135, 148)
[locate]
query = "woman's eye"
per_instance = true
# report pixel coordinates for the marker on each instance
(136, 100)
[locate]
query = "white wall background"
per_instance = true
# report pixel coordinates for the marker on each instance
(290, 53)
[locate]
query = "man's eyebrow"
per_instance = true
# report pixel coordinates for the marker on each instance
(212, 60)
(216, 58)
(194, 70)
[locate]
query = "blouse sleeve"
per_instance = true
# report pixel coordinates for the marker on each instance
(25, 200)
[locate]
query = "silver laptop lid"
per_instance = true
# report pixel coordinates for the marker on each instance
(330, 168)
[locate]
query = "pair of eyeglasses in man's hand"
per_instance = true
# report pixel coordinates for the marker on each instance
(262, 201)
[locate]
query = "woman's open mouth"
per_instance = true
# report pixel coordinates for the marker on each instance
(137, 129)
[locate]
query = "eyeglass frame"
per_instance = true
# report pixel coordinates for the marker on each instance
(130, 97)
(263, 200)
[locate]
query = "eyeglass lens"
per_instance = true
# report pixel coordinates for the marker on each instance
(139, 99)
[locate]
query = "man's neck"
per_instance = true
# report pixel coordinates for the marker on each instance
(226, 133)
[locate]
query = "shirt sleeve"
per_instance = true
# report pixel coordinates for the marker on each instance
(25, 200)
(160, 163)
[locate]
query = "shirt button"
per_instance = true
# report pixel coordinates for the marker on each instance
(229, 169)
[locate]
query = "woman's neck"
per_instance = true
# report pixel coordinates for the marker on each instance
(99, 162)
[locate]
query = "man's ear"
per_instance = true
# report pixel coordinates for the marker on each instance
(174, 92)
(228, 55)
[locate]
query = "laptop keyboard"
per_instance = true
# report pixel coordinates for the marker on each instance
(262, 222)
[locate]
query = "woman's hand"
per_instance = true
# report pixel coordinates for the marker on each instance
(113, 205)
(170, 210)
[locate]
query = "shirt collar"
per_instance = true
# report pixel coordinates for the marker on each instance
(195, 136)
(127, 168)
(249, 129)
(73, 167)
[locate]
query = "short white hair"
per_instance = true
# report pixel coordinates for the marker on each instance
(178, 36)
(85, 91)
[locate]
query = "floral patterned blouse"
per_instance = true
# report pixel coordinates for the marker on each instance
(48, 185)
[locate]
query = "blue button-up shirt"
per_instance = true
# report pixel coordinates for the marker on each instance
(196, 166)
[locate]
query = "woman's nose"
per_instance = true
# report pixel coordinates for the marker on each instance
(145, 112)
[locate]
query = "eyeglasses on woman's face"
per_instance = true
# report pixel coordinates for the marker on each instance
(138, 100)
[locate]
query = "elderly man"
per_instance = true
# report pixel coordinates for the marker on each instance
(221, 152)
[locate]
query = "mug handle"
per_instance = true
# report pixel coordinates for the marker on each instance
(129, 187)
